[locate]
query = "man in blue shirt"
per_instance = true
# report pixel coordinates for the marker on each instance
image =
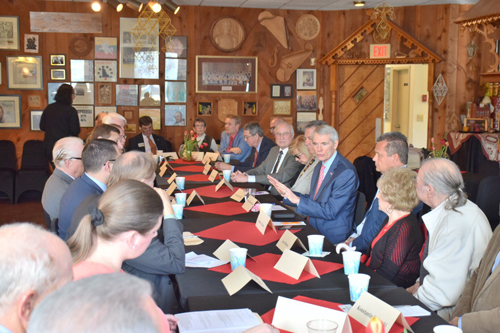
(232, 140)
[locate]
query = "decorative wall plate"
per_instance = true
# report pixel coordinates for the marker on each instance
(227, 34)
(308, 27)
(80, 46)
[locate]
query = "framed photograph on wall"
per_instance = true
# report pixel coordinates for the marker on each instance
(25, 73)
(53, 87)
(82, 70)
(105, 71)
(9, 30)
(104, 109)
(282, 107)
(130, 128)
(31, 43)
(104, 93)
(85, 115)
(306, 79)
(281, 91)
(216, 74)
(175, 92)
(177, 48)
(307, 101)
(303, 118)
(57, 60)
(149, 95)
(155, 115)
(250, 109)
(34, 101)
(84, 93)
(204, 109)
(10, 111)
(106, 47)
(175, 69)
(35, 120)
(57, 74)
(175, 115)
(127, 94)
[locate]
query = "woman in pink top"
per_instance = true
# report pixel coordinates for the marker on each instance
(127, 217)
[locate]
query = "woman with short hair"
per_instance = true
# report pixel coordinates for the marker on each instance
(299, 150)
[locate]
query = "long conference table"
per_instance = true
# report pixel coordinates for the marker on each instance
(222, 218)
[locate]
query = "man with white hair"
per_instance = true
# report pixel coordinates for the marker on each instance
(458, 235)
(67, 156)
(33, 263)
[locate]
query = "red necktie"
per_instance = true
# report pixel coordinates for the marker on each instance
(255, 158)
(230, 144)
(152, 146)
(321, 176)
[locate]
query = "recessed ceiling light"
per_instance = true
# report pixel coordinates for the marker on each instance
(96, 6)
(359, 3)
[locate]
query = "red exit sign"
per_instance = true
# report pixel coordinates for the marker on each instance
(380, 51)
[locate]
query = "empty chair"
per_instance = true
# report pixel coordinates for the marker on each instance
(8, 167)
(34, 170)
(368, 176)
(488, 199)
(359, 213)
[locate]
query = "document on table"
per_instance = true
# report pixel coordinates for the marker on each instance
(227, 321)
(412, 311)
(277, 208)
(202, 261)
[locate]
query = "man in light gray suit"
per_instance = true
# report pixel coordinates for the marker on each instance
(67, 156)
(280, 163)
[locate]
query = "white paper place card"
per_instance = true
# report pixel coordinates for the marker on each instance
(292, 315)
(190, 239)
(171, 154)
(171, 179)
(223, 181)
(163, 169)
(171, 188)
(193, 195)
(292, 264)
(207, 168)
(288, 240)
(213, 175)
(264, 221)
(210, 157)
(368, 306)
(251, 201)
(239, 278)
(222, 253)
(197, 155)
(239, 195)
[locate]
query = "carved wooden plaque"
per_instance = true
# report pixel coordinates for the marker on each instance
(226, 107)
(227, 34)
(307, 27)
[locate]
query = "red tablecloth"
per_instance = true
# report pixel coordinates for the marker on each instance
(190, 168)
(209, 191)
(222, 208)
(180, 161)
(198, 178)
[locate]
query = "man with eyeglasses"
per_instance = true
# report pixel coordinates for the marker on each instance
(67, 157)
(261, 146)
(280, 163)
(97, 157)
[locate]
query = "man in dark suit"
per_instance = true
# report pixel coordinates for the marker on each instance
(332, 199)
(261, 145)
(98, 157)
(147, 141)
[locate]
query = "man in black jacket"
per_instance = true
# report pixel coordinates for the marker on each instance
(147, 141)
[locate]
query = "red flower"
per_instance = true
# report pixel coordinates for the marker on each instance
(195, 136)
(185, 132)
(443, 141)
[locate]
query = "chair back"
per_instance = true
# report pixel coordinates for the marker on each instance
(360, 210)
(8, 154)
(33, 156)
(488, 199)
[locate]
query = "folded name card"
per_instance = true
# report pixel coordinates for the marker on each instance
(193, 195)
(207, 168)
(213, 175)
(197, 155)
(264, 221)
(210, 157)
(222, 253)
(171, 179)
(238, 195)
(368, 306)
(251, 201)
(287, 241)
(223, 181)
(171, 188)
(239, 278)
(171, 154)
(293, 264)
(163, 169)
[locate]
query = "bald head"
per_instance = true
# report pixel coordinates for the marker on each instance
(133, 165)
(274, 123)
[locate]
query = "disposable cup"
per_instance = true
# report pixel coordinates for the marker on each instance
(238, 257)
(446, 329)
(180, 198)
(267, 208)
(178, 209)
(351, 262)
(227, 158)
(180, 182)
(315, 244)
(358, 284)
(251, 192)
(227, 175)
(322, 326)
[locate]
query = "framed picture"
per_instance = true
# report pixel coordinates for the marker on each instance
(9, 30)
(105, 71)
(34, 101)
(303, 118)
(10, 111)
(0, 73)
(130, 128)
(175, 115)
(104, 93)
(215, 74)
(31, 43)
(85, 115)
(106, 47)
(155, 114)
(149, 95)
(57, 74)
(204, 109)
(306, 79)
(53, 87)
(104, 109)
(249, 108)
(307, 101)
(82, 70)
(282, 107)
(57, 60)
(25, 73)
(128, 114)
(127, 94)
(84, 93)
(139, 63)
(287, 90)
(177, 48)
(281, 91)
(35, 120)
(175, 92)
(175, 69)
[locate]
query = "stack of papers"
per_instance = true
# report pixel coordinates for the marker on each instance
(202, 261)
(217, 321)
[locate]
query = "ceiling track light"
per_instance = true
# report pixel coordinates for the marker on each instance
(170, 5)
(135, 5)
(116, 5)
(155, 6)
(96, 6)
(359, 3)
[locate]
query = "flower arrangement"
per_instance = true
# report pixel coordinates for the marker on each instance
(443, 152)
(190, 145)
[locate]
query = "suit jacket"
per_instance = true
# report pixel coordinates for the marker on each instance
(81, 188)
(265, 147)
(332, 212)
(137, 143)
(303, 183)
(239, 141)
(479, 304)
(53, 192)
(286, 174)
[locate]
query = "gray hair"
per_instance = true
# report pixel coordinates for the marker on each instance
(397, 143)
(292, 132)
(100, 303)
(66, 148)
(132, 165)
(25, 262)
(254, 127)
(445, 177)
(327, 129)
(97, 152)
(112, 117)
(315, 123)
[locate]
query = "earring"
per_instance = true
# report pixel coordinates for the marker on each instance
(133, 247)
(389, 210)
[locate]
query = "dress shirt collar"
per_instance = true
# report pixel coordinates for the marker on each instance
(284, 150)
(328, 163)
(200, 138)
(4, 329)
(146, 137)
(434, 217)
(258, 147)
(103, 186)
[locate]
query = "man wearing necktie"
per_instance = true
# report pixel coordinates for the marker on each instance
(332, 199)
(147, 141)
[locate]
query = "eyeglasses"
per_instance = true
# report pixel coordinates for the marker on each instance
(124, 137)
(298, 156)
(272, 128)
(109, 161)
(75, 158)
(282, 134)
(248, 136)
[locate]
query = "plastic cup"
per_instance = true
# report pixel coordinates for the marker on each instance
(351, 262)
(358, 284)
(251, 192)
(178, 209)
(315, 244)
(267, 208)
(180, 182)
(322, 326)
(180, 198)
(446, 329)
(227, 175)
(227, 158)
(238, 257)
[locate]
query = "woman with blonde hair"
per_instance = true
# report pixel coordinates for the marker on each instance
(395, 251)
(299, 149)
